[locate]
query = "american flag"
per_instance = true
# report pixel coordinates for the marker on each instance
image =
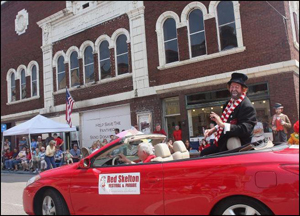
(69, 107)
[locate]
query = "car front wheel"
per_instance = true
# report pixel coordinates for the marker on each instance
(241, 206)
(53, 204)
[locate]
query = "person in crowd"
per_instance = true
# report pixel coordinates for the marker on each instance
(22, 143)
(212, 137)
(35, 160)
(49, 156)
(20, 158)
(94, 147)
(187, 145)
(27, 163)
(41, 156)
(112, 138)
(117, 131)
(40, 142)
(145, 154)
(266, 125)
(238, 117)
(98, 143)
(58, 157)
(75, 152)
(10, 162)
(33, 143)
(7, 158)
(159, 130)
(170, 145)
(6, 145)
(58, 140)
(48, 139)
(104, 142)
(294, 139)
(68, 157)
(203, 145)
(177, 134)
(280, 124)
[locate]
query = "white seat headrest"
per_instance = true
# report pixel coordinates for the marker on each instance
(233, 143)
(179, 146)
(162, 150)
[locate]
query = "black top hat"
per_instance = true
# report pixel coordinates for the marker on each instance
(277, 105)
(238, 78)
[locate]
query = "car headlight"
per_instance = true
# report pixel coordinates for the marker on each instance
(33, 179)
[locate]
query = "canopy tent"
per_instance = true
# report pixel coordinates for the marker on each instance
(38, 125)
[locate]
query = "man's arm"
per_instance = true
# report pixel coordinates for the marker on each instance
(287, 122)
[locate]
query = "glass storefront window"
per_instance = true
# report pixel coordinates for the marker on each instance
(199, 119)
(171, 115)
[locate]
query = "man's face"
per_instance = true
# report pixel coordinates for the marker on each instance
(142, 155)
(177, 128)
(278, 111)
(158, 128)
(75, 148)
(236, 90)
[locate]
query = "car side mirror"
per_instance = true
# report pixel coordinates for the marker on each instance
(85, 163)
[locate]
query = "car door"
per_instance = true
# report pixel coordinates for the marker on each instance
(191, 185)
(132, 189)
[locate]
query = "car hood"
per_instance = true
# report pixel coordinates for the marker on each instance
(59, 171)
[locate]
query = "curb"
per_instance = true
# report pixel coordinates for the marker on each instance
(18, 172)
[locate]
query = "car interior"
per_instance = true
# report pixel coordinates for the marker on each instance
(129, 146)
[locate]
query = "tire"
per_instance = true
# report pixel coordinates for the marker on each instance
(241, 206)
(56, 201)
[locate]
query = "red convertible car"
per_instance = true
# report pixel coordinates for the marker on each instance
(247, 180)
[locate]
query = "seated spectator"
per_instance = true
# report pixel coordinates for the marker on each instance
(75, 152)
(68, 157)
(22, 143)
(28, 162)
(7, 158)
(42, 154)
(170, 145)
(187, 145)
(20, 158)
(145, 154)
(35, 160)
(33, 143)
(104, 142)
(40, 143)
(14, 156)
(94, 147)
(203, 145)
(112, 138)
(98, 144)
(58, 156)
(6, 145)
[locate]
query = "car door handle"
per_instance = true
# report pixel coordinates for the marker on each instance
(153, 180)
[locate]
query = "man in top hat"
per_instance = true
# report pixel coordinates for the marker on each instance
(237, 120)
(280, 124)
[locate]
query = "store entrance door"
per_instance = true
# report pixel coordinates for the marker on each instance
(171, 122)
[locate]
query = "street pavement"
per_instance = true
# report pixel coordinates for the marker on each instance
(12, 186)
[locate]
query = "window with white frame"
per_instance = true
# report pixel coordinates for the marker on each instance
(170, 41)
(196, 33)
(89, 65)
(61, 73)
(296, 25)
(122, 55)
(12, 87)
(23, 85)
(226, 25)
(34, 82)
(74, 68)
(105, 66)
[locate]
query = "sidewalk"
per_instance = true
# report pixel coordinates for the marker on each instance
(19, 172)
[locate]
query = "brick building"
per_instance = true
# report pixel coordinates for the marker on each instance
(142, 63)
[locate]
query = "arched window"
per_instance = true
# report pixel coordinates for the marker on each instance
(89, 65)
(105, 67)
(75, 76)
(226, 25)
(33, 81)
(12, 87)
(197, 33)
(23, 85)
(61, 73)
(170, 41)
(122, 55)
